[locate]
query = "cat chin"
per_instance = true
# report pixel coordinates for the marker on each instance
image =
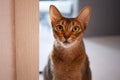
(67, 45)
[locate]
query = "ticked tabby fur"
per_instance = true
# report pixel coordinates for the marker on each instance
(68, 59)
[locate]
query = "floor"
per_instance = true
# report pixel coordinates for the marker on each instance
(104, 56)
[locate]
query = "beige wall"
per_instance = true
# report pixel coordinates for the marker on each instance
(26, 30)
(7, 54)
(19, 39)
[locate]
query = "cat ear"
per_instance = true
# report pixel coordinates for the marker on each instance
(54, 13)
(84, 15)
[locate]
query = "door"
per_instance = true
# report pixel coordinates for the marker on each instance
(19, 39)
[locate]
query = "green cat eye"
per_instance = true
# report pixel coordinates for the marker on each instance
(75, 29)
(59, 27)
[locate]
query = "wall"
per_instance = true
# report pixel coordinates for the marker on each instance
(105, 19)
(27, 42)
(19, 39)
(7, 54)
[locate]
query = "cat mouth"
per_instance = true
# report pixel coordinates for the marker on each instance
(66, 42)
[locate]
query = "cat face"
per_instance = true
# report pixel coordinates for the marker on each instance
(69, 31)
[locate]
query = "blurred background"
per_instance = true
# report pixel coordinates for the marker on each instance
(102, 37)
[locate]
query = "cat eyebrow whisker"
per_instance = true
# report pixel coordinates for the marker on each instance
(62, 22)
(73, 23)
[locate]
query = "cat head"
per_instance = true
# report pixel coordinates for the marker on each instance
(68, 31)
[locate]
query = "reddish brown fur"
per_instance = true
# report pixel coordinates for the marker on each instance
(67, 24)
(68, 63)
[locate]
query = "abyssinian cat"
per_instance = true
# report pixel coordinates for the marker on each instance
(68, 59)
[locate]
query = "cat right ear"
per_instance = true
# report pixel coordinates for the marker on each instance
(55, 15)
(84, 15)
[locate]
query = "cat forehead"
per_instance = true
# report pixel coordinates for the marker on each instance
(69, 21)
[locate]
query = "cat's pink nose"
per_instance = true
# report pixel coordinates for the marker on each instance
(66, 36)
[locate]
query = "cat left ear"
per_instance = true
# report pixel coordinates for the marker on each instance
(54, 13)
(84, 16)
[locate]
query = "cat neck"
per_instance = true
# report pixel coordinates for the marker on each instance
(70, 53)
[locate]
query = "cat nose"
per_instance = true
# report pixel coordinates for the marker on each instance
(66, 36)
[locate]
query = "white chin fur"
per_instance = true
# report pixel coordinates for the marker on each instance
(67, 45)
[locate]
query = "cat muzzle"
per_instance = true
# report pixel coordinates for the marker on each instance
(66, 42)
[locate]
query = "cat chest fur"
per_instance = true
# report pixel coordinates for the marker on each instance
(68, 65)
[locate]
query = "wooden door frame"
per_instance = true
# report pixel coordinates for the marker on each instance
(26, 17)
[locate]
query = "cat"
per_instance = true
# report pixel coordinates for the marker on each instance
(68, 59)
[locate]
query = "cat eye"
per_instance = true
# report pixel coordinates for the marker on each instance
(75, 29)
(59, 27)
